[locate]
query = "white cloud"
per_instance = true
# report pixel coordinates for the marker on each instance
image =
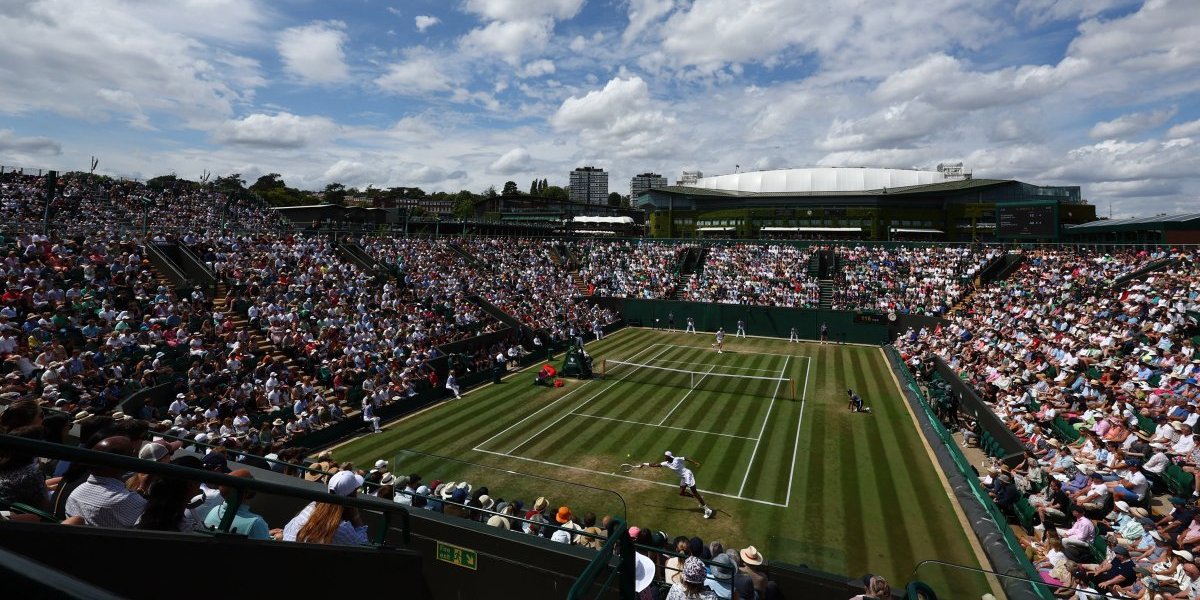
(1113, 160)
(514, 10)
(43, 146)
(1131, 124)
(424, 22)
(513, 161)
(538, 68)
(643, 13)
(578, 44)
(58, 54)
(946, 82)
(1185, 130)
(421, 72)
(621, 119)
(314, 52)
(1043, 11)
(509, 40)
(847, 38)
(283, 130)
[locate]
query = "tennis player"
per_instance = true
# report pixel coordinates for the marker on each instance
(856, 402)
(741, 330)
(720, 345)
(687, 481)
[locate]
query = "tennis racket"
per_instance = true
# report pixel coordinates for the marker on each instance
(626, 467)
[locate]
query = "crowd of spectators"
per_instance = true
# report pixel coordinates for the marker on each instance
(757, 274)
(624, 269)
(921, 280)
(1100, 384)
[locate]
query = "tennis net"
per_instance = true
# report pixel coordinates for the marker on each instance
(707, 380)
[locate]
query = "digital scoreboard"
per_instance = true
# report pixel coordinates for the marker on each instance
(1035, 220)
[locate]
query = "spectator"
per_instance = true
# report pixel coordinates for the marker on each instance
(691, 584)
(168, 502)
(20, 478)
(874, 588)
(328, 523)
(245, 522)
(102, 500)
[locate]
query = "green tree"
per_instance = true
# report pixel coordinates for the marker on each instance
(268, 182)
(335, 193)
(464, 203)
(229, 183)
(490, 192)
(614, 199)
(510, 189)
(626, 202)
(556, 193)
(533, 188)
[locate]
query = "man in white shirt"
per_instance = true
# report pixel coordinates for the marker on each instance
(102, 500)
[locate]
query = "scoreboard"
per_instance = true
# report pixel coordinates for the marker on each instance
(1027, 220)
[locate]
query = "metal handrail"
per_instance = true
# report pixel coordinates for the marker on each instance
(240, 485)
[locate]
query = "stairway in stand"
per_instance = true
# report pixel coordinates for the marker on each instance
(580, 284)
(826, 293)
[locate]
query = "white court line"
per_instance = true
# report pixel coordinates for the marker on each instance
(685, 396)
(660, 483)
(535, 413)
(764, 428)
(682, 362)
(737, 352)
(585, 403)
(796, 446)
(664, 426)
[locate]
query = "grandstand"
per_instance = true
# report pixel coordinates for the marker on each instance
(156, 339)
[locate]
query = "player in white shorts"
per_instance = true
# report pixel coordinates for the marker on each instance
(720, 345)
(687, 481)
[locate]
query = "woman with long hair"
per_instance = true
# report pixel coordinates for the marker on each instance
(327, 523)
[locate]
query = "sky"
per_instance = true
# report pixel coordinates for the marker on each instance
(463, 94)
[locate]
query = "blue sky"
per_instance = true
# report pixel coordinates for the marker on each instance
(462, 94)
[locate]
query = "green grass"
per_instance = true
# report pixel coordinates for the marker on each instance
(850, 494)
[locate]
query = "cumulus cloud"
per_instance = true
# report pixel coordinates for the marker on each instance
(1185, 130)
(513, 161)
(314, 52)
(283, 130)
(1131, 124)
(424, 22)
(509, 40)
(538, 68)
(512, 10)
(421, 72)
(643, 13)
(43, 146)
(1114, 160)
(620, 119)
(57, 54)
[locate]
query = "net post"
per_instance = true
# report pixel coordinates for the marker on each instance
(792, 386)
(603, 367)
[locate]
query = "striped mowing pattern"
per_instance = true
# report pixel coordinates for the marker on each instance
(840, 492)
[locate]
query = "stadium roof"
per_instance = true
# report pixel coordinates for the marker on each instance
(946, 186)
(1181, 221)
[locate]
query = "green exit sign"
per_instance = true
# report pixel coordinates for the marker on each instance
(454, 555)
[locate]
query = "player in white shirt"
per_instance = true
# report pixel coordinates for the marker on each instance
(687, 481)
(720, 345)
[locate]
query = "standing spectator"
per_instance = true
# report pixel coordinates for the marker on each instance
(102, 500)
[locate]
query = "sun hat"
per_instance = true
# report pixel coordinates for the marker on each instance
(561, 537)
(694, 570)
(751, 556)
(564, 514)
(486, 502)
(345, 483)
(643, 574)
(721, 578)
(1184, 554)
(540, 504)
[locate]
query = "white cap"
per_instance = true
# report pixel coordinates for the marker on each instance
(561, 536)
(345, 483)
(381, 464)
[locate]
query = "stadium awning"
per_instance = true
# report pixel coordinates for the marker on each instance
(606, 220)
(814, 229)
(593, 232)
(902, 230)
(714, 229)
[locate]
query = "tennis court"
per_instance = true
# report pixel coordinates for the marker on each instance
(715, 408)
(785, 465)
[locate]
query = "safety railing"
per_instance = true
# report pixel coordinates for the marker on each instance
(239, 485)
(623, 571)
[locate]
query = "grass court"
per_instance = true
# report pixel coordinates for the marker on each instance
(786, 466)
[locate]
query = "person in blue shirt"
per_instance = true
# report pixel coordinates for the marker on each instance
(245, 522)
